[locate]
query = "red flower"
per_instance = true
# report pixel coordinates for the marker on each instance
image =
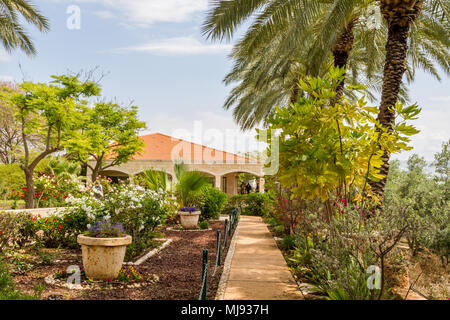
(60, 226)
(24, 188)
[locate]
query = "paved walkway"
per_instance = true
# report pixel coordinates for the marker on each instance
(258, 269)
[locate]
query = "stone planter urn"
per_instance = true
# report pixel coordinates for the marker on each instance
(189, 220)
(103, 257)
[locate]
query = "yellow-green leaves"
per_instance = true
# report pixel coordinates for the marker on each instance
(327, 145)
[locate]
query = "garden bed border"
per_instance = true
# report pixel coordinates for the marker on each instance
(150, 253)
(227, 266)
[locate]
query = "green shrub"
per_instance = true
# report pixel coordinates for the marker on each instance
(252, 204)
(16, 229)
(213, 201)
(288, 243)
(12, 179)
(203, 225)
(8, 290)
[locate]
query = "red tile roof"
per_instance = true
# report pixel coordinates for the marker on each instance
(159, 146)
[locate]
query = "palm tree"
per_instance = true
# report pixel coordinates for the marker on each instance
(62, 169)
(12, 34)
(189, 184)
(293, 38)
(155, 180)
(401, 17)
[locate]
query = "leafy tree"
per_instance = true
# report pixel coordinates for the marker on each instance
(10, 135)
(110, 136)
(423, 199)
(327, 146)
(441, 163)
(52, 112)
(12, 33)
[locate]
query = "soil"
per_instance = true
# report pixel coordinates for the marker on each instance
(430, 275)
(172, 274)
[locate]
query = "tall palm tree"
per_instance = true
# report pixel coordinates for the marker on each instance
(12, 33)
(289, 39)
(401, 17)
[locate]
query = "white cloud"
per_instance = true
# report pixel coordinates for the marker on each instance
(105, 14)
(177, 46)
(143, 13)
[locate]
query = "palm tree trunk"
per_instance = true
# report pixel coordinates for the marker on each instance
(398, 15)
(341, 51)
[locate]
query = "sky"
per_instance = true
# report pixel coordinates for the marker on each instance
(153, 55)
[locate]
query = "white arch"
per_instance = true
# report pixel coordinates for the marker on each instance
(241, 171)
(115, 171)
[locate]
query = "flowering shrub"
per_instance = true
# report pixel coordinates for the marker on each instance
(49, 192)
(16, 229)
(49, 231)
(138, 210)
(20, 229)
(106, 229)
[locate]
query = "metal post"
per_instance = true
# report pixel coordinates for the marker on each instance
(204, 275)
(225, 233)
(219, 247)
(229, 229)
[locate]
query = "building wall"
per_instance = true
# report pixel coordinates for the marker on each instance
(218, 170)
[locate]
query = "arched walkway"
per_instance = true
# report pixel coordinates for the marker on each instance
(114, 175)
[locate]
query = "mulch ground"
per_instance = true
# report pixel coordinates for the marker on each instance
(177, 270)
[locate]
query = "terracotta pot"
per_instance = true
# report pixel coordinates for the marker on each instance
(189, 220)
(103, 257)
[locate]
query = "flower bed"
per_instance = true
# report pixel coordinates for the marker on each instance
(172, 274)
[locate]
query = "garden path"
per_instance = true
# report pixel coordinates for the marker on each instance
(258, 270)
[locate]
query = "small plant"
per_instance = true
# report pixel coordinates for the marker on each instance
(190, 209)
(105, 229)
(203, 225)
(288, 243)
(189, 185)
(46, 259)
(129, 273)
